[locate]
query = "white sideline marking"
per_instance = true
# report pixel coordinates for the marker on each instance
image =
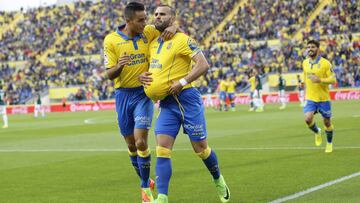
(313, 189)
(179, 149)
(89, 121)
(356, 116)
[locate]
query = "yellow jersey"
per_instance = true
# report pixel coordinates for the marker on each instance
(252, 83)
(169, 61)
(117, 44)
(318, 92)
(231, 86)
(223, 86)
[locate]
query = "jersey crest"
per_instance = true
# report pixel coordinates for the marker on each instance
(192, 44)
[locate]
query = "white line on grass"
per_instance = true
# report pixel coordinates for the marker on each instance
(356, 116)
(89, 121)
(177, 149)
(313, 189)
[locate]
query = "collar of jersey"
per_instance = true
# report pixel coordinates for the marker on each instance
(124, 36)
(316, 61)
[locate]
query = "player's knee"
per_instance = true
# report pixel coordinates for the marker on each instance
(132, 147)
(205, 153)
(329, 127)
(141, 144)
(163, 152)
(308, 120)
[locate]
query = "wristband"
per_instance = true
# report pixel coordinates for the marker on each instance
(183, 82)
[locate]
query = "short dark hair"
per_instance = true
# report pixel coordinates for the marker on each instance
(172, 10)
(316, 43)
(133, 7)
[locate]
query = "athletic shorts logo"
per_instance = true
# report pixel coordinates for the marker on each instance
(144, 120)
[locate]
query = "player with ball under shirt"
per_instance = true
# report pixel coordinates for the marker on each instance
(169, 80)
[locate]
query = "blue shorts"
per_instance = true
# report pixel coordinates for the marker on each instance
(231, 96)
(134, 110)
(189, 113)
(322, 107)
(222, 96)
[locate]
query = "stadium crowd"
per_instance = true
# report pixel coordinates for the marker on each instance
(263, 20)
(90, 22)
(38, 31)
(6, 18)
(87, 35)
(199, 17)
(342, 17)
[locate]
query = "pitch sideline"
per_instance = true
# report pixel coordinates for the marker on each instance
(316, 188)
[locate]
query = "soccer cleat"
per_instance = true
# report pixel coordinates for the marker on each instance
(251, 109)
(5, 126)
(222, 189)
(161, 199)
(318, 138)
(329, 148)
(152, 184)
(146, 195)
(282, 107)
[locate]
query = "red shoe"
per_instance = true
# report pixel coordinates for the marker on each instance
(146, 195)
(152, 184)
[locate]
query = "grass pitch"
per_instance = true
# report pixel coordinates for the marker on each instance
(81, 157)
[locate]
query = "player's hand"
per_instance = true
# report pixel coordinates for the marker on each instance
(314, 78)
(145, 78)
(175, 88)
(168, 33)
(123, 60)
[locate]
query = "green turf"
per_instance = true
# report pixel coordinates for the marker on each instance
(263, 156)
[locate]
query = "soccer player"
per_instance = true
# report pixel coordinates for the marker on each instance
(251, 80)
(169, 80)
(259, 104)
(209, 101)
(3, 108)
(222, 94)
(318, 75)
(281, 85)
(301, 94)
(39, 107)
(126, 57)
(230, 90)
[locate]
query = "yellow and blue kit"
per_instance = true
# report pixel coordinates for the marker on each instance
(252, 86)
(222, 91)
(317, 94)
(231, 89)
(134, 109)
(170, 61)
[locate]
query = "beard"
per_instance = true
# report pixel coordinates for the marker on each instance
(312, 53)
(162, 26)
